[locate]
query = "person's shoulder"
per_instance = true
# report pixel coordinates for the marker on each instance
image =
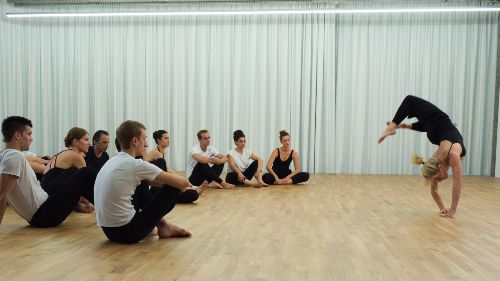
(11, 154)
(105, 154)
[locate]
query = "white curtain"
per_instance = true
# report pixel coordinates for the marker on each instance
(497, 158)
(331, 81)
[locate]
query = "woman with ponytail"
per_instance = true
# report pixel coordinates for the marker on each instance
(440, 131)
(279, 169)
(157, 157)
(70, 164)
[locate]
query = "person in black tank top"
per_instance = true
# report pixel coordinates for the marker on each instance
(157, 157)
(279, 170)
(71, 162)
(440, 131)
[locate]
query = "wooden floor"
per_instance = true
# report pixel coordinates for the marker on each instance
(336, 227)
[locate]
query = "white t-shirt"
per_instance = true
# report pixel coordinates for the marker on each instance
(114, 186)
(242, 161)
(211, 151)
(27, 195)
(29, 154)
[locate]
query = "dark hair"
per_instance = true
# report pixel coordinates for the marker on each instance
(74, 133)
(283, 133)
(127, 131)
(200, 132)
(157, 135)
(13, 124)
(98, 134)
(117, 144)
(237, 135)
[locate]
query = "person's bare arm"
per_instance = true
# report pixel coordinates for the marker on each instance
(202, 159)
(173, 180)
(296, 164)
(436, 196)
(269, 165)
(235, 169)
(37, 167)
(7, 183)
(259, 160)
(456, 170)
(221, 158)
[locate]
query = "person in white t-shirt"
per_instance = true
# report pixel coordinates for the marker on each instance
(205, 163)
(116, 184)
(241, 168)
(19, 186)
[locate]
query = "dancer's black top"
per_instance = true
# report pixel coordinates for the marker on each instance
(431, 120)
(160, 163)
(282, 168)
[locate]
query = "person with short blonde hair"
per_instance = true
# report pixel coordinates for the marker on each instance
(116, 183)
(441, 132)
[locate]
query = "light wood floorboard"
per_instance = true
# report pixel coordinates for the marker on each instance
(336, 227)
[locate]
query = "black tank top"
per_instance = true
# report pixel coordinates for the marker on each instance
(160, 163)
(282, 167)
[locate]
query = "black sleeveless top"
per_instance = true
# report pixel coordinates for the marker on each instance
(282, 168)
(52, 174)
(160, 163)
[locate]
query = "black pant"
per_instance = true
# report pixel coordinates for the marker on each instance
(249, 173)
(65, 196)
(203, 172)
(55, 178)
(145, 220)
(187, 196)
(298, 178)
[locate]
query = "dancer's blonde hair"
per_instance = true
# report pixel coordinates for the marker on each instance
(429, 168)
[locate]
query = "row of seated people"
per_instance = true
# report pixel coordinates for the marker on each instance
(73, 172)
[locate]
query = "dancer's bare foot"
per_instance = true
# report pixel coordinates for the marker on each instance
(262, 184)
(224, 184)
(202, 187)
(390, 130)
(166, 230)
(154, 232)
(84, 207)
(215, 184)
(259, 184)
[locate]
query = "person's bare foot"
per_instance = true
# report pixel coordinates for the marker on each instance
(226, 185)
(166, 230)
(262, 184)
(154, 232)
(84, 208)
(202, 187)
(215, 184)
(390, 130)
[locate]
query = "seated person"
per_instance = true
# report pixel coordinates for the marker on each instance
(67, 162)
(241, 171)
(205, 163)
(117, 182)
(279, 169)
(157, 157)
(19, 186)
(96, 155)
